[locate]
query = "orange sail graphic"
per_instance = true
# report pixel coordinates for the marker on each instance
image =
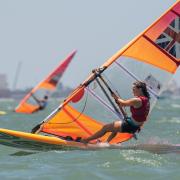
(153, 57)
(30, 103)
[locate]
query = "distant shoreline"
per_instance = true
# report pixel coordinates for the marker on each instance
(19, 93)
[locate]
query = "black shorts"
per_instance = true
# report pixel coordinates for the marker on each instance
(128, 127)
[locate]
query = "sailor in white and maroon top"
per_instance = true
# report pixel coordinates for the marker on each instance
(139, 107)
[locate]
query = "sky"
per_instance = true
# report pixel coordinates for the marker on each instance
(41, 33)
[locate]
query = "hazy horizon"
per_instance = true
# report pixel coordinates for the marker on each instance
(40, 34)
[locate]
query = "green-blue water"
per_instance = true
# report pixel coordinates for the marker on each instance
(162, 128)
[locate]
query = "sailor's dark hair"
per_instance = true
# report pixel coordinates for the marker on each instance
(142, 85)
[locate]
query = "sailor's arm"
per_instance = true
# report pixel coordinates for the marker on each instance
(136, 102)
(36, 99)
(128, 102)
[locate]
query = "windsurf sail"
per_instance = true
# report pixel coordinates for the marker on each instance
(153, 57)
(30, 103)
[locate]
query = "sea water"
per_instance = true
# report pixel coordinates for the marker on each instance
(162, 128)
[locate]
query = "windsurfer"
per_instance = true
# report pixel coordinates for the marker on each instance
(139, 107)
(42, 103)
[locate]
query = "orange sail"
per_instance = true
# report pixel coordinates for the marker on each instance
(153, 57)
(29, 104)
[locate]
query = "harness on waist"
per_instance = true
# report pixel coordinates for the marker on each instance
(131, 123)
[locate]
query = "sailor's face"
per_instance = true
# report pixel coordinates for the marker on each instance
(135, 90)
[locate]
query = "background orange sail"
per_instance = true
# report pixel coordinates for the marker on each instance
(28, 104)
(153, 57)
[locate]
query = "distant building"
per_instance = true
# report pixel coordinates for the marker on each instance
(4, 91)
(62, 91)
(3, 82)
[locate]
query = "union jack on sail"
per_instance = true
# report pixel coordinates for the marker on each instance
(169, 40)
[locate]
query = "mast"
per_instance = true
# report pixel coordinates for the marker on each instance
(16, 77)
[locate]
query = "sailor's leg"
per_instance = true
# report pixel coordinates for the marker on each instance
(111, 127)
(116, 129)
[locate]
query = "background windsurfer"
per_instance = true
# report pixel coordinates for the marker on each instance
(42, 103)
(139, 107)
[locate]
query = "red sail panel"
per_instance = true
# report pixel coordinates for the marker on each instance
(54, 77)
(154, 32)
(176, 8)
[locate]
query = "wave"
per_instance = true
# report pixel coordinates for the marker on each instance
(175, 105)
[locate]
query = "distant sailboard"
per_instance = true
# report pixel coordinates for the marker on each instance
(29, 103)
(85, 111)
(2, 113)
